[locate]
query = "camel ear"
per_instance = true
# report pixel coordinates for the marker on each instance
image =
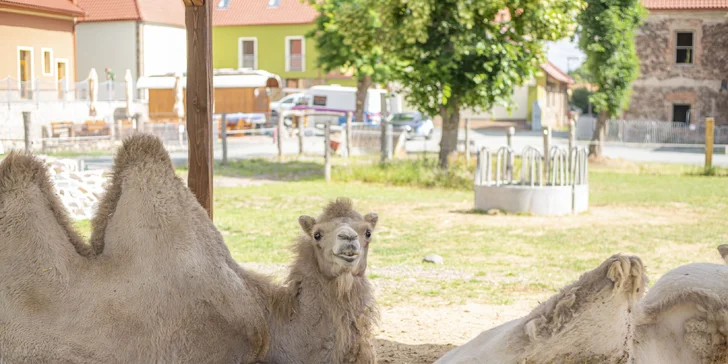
(307, 223)
(372, 219)
(723, 250)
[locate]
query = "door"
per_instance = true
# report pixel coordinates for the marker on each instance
(61, 68)
(25, 59)
(681, 113)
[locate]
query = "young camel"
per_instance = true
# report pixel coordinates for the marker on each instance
(325, 311)
(156, 285)
(600, 319)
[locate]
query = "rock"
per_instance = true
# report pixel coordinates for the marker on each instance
(434, 259)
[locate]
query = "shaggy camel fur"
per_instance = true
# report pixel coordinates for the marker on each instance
(325, 311)
(598, 319)
(156, 285)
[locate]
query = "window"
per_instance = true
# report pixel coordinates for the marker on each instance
(47, 62)
(681, 113)
(319, 101)
(295, 54)
(684, 48)
(25, 72)
(273, 3)
(223, 4)
(248, 53)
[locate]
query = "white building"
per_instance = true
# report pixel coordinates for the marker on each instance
(145, 36)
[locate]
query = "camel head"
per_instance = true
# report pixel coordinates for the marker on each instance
(340, 237)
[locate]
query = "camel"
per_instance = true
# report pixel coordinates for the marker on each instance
(605, 318)
(325, 310)
(156, 284)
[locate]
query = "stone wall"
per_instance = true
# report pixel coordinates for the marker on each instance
(664, 83)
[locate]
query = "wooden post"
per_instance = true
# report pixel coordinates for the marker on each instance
(279, 139)
(467, 140)
(327, 151)
(572, 135)
(383, 124)
(709, 127)
(301, 120)
(26, 129)
(223, 136)
(349, 116)
(198, 20)
(546, 148)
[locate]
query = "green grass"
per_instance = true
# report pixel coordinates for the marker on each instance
(665, 214)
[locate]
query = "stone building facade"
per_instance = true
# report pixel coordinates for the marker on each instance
(683, 51)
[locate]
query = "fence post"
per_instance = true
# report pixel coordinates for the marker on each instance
(467, 140)
(509, 136)
(384, 127)
(390, 137)
(546, 148)
(709, 128)
(279, 140)
(349, 116)
(10, 84)
(301, 121)
(223, 136)
(327, 151)
(26, 129)
(37, 92)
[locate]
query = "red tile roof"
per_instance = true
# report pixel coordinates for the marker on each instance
(65, 7)
(685, 4)
(257, 12)
(556, 73)
(170, 12)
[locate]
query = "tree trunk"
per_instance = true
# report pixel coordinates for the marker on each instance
(595, 148)
(362, 85)
(449, 142)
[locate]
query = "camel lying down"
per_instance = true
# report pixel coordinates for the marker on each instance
(602, 318)
(157, 284)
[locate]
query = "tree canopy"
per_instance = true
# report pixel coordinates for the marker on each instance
(454, 54)
(606, 34)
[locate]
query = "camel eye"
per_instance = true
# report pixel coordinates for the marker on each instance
(368, 234)
(317, 236)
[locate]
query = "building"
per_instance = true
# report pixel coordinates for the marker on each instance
(36, 46)
(683, 51)
(269, 35)
(542, 101)
(147, 37)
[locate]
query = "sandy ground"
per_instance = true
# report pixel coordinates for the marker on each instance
(410, 334)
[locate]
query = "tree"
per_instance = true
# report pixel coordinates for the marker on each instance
(580, 99)
(606, 34)
(454, 54)
(581, 74)
(346, 38)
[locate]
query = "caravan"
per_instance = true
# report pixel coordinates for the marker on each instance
(336, 98)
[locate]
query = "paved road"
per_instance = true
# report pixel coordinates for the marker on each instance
(674, 155)
(253, 147)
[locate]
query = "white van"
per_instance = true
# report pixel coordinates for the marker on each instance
(337, 98)
(286, 103)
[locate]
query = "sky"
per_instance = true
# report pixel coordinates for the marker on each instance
(565, 54)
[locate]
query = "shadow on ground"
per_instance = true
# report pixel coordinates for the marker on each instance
(391, 352)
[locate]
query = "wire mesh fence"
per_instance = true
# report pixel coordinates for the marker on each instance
(652, 132)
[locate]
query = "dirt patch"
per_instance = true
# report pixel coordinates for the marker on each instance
(411, 334)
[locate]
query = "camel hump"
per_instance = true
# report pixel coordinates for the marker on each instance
(702, 284)
(144, 199)
(35, 230)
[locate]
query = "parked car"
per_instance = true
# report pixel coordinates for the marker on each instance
(286, 103)
(414, 123)
(341, 99)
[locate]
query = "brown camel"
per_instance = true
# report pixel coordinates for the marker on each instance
(156, 285)
(325, 311)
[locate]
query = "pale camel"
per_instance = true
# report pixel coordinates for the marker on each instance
(325, 311)
(156, 285)
(601, 319)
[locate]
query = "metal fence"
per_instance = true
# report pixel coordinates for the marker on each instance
(651, 132)
(560, 167)
(37, 91)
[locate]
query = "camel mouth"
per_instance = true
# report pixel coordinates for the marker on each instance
(348, 256)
